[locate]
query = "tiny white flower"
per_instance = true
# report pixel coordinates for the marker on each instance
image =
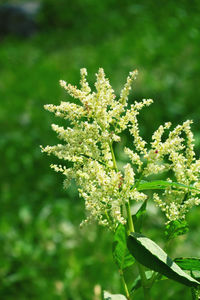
(96, 121)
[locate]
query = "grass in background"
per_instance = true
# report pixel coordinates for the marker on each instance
(44, 255)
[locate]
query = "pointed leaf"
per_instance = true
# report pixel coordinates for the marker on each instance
(176, 228)
(139, 216)
(188, 263)
(108, 296)
(162, 184)
(149, 254)
(121, 254)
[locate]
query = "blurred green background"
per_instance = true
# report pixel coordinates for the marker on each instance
(43, 252)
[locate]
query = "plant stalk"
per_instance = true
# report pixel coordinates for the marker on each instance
(113, 157)
(129, 217)
(146, 288)
(130, 229)
(124, 284)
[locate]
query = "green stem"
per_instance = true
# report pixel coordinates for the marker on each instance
(124, 284)
(113, 157)
(120, 271)
(155, 276)
(90, 157)
(130, 221)
(140, 178)
(145, 286)
(129, 230)
(108, 218)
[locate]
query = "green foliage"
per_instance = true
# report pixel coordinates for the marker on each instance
(121, 254)
(149, 254)
(176, 228)
(138, 283)
(85, 15)
(188, 263)
(39, 260)
(162, 184)
(195, 294)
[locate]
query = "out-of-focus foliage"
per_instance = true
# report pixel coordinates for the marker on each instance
(44, 255)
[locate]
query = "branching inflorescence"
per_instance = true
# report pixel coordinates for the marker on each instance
(96, 123)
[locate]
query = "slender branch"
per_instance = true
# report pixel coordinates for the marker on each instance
(140, 178)
(124, 284)
(146, 289)
(130, 221)
(113, 157)
(131, 229)
(90, 157)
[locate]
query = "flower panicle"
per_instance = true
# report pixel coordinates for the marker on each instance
(96, 121)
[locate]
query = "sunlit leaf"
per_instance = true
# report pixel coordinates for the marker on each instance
(162, 184)
(149, 254)
(188, 263)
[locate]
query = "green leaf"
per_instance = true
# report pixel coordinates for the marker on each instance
(188, 263)
(176, 228)
(195, 294)
(108, 296)
(121, 254)
(149, 254)
(162, 184)
(137, 282)
(139, 216)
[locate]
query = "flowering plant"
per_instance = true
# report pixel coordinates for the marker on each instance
(96, 123)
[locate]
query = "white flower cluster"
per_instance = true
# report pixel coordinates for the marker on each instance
(175, 153)
(96, 122)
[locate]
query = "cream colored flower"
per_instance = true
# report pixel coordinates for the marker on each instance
(96, 122)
